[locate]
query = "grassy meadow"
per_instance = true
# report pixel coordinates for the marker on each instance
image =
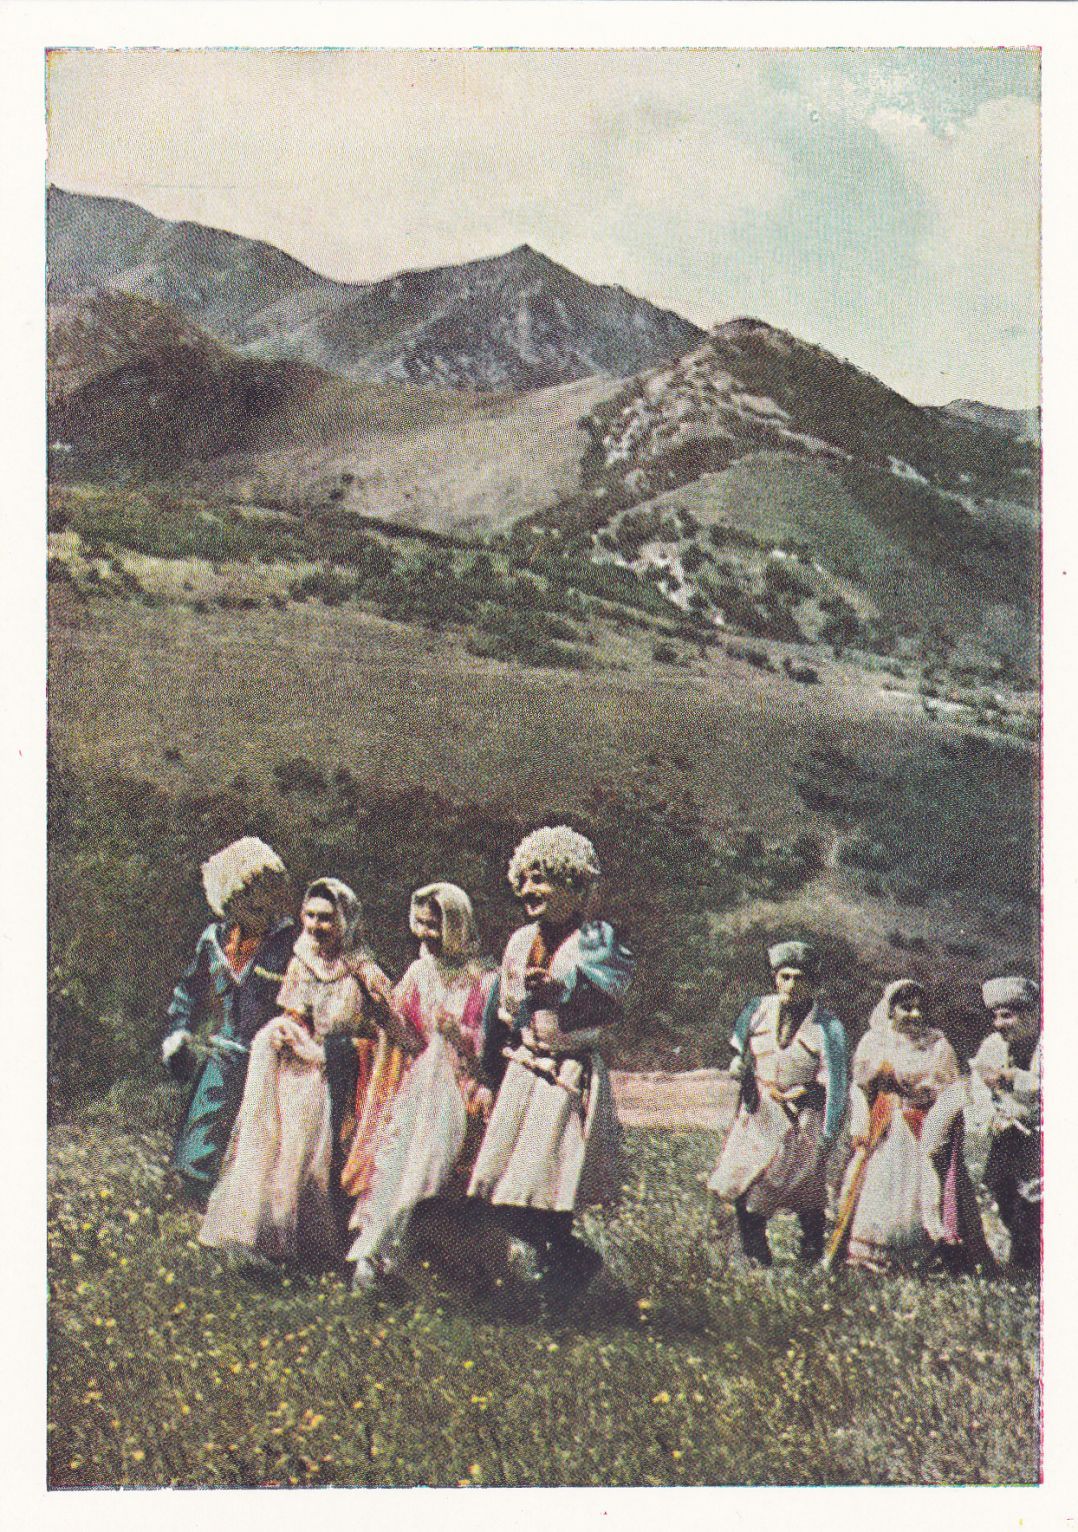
(391, 709)
(677, 1367)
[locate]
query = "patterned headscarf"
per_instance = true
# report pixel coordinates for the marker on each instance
(460, 938)
(348, 909)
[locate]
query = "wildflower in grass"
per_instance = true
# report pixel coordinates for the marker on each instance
(662, 1397)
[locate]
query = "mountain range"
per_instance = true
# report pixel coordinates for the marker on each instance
(509, 390)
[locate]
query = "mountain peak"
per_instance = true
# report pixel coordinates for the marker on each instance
(510, 322)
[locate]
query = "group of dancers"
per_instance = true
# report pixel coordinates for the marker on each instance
(906, 1196)
(326, 1105)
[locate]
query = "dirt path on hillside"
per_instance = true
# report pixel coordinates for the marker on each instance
(696, 1098)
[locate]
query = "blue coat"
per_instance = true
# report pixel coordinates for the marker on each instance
(212, 1000)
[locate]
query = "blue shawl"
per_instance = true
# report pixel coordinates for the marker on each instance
(594, 985)
(834, 1057)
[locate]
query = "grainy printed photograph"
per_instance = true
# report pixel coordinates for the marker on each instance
(543, 804)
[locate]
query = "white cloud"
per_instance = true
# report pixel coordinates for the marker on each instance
(978, 180)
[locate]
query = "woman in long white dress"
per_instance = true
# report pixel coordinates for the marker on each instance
(433, 1132)
(274, 1197)
(906, 1192)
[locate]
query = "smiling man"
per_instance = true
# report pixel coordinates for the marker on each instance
(552, 1145)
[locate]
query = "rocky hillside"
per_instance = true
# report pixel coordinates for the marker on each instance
(1023, 425)
(757, 448)
(513, 322)
(751, 387)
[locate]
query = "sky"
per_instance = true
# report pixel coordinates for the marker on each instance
(881, 203)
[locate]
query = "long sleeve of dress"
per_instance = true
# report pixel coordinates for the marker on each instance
(945, 1068)
(860, 1113)
(399, 1031)
(867, 1059)
(189, 993)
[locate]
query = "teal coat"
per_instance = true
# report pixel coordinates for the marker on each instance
(227, 1009)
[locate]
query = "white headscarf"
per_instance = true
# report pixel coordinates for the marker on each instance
(880, 1020)
(460, 938)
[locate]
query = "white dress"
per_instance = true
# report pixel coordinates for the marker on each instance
(427, 1133)
(776, 1156)
(553, 1141)
(273, 1195)
(898, 1192)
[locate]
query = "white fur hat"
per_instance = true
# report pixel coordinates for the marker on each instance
(1013, 990)
(562, 853)
(228, 872)
(794, 954)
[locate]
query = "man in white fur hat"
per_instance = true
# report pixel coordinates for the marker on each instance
(1007, 1067)
(552, 1145)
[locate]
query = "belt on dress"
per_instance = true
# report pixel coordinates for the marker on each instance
(548, 1066)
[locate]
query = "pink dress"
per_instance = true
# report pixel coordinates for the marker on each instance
(430, 1137)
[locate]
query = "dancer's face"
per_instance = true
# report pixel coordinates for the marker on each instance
(908, 1012)
(1016, 1023)
(428, 926)
(255, 907)
(552, 903)
(793, 987)
(322, 925)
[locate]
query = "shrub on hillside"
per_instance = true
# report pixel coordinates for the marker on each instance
(759, 658)
(327, 585)
(299, 775)
(782, 579)
(958, 817)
